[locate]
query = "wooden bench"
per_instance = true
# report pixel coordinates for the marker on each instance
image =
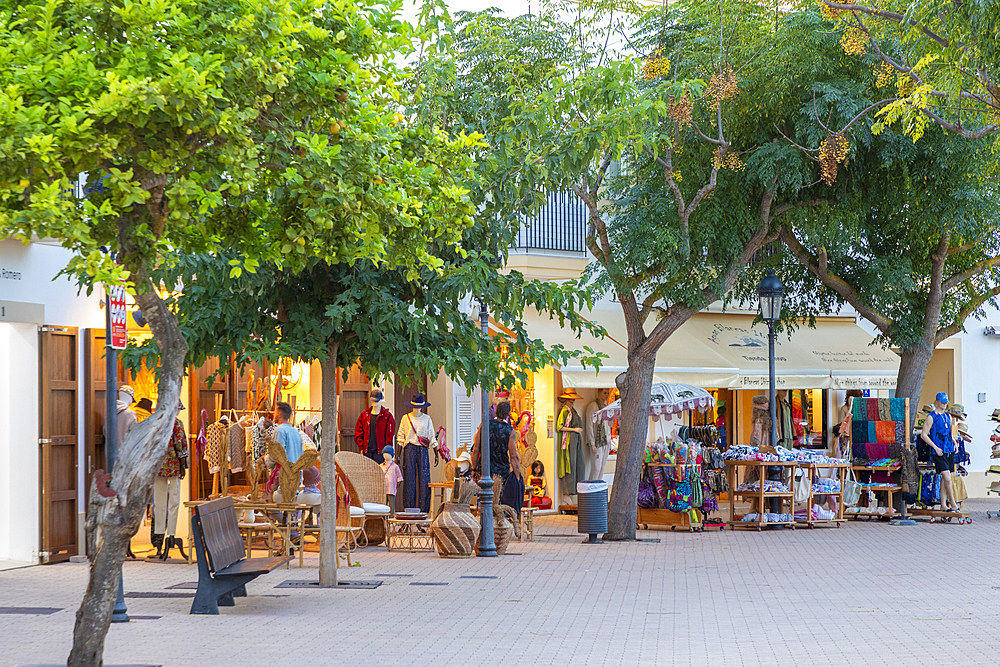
(223, 569)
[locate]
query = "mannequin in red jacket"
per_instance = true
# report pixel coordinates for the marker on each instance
(375, 429)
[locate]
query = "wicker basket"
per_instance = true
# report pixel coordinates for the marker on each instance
(455, 531)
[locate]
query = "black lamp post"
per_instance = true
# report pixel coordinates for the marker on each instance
(487, 546)
(770, 292)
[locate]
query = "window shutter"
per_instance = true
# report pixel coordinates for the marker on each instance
(465, 425)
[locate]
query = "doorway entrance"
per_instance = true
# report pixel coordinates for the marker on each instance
(58, 440)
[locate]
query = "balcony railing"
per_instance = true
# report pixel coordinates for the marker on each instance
(560, 225)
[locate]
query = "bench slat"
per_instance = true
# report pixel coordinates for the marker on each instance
(221, 533)
(253, 566)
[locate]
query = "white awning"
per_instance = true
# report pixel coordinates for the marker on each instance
(726, 350)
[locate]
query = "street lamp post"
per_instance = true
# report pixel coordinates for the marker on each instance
(770, 292)
(120, 612)
(487, 547)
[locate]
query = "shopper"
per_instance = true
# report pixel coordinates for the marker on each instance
(504, 459)
(938, 434)
(720, 426)
(287, 435)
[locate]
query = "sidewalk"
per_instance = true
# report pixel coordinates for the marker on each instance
(865, 594)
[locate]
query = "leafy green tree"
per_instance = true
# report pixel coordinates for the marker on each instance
(340, 314)
(917, 256)
(671, 139)
(938, 61)
(265, 126)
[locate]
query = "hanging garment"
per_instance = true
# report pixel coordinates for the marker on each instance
(572, 461)
(237, 447)
(218, 446)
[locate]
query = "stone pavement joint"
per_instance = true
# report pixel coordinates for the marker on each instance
(864, 594)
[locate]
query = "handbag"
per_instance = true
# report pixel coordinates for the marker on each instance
(647, 492)
(201, 441)
(852, 490)
(421, 440)
(803, 485)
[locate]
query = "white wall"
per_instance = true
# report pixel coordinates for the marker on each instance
(980, 373)
(19, 493)
(28, 276)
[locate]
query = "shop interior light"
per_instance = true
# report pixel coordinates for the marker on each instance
(770, 292)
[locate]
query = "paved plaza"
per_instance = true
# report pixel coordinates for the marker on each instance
(866, 594)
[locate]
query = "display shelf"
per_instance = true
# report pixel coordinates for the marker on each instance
(665, 517)
(878, 468)
(766, 494)
(814, 468)
(783, 497)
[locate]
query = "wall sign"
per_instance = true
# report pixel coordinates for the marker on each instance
(119, 312)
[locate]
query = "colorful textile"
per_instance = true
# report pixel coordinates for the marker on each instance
(897, 407)
(900, 435)
(885, 431)
(884, 411)
(177, 446)
(872, 408)
(859, 432)
(859, 410)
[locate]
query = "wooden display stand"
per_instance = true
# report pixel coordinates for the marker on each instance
(760, 495)
(814, 469)
(659, 516)
(888, 489)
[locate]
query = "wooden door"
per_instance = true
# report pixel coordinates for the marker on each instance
(94, 405)
(58, 440)
(355, 393)
(204, 388)
(405, 387)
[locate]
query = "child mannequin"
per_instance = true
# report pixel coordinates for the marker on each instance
(393, 475)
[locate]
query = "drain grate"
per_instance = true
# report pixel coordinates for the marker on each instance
(159, 594)
(428, 583)
(187, 585)
(383, 574)
(133, 617)
(302, 583)
(478, 576)
(41, 611)
(648, 540)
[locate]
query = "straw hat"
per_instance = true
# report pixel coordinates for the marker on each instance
(927, 407)
(570, 394)
(962, 428)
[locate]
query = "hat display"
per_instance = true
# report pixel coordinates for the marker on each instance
(927, 407)
(377, 396)
(145, 404)
(942, 397)
(419, 401)
(996, 415)
(570, 394)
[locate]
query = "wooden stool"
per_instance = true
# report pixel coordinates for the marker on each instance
(528, 523)
(441, 489)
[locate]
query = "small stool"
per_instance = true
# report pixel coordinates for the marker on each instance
(528, 523)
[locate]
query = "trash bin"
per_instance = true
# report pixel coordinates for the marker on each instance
(592, 509)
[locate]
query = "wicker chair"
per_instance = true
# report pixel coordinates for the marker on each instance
(368, 480)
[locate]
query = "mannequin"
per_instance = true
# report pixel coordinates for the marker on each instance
(393, 476)
(126, 420)
(602, 437)
(167, 492)
(569, 451)
(415, 436)
(374, 429)
(939, 435)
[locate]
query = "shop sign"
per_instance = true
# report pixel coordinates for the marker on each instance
(119, 313)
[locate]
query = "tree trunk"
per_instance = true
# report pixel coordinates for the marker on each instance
(114, 520)
(328, 473)
(913, 362)
(634, 385)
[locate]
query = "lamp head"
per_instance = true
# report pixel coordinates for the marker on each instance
(770, 292)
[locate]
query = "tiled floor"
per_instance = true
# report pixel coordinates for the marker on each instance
(866, 594)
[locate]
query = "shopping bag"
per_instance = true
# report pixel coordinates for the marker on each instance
(852, 491)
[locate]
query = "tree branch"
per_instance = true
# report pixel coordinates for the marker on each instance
(954, 281)
(891, 16)
(840, 286)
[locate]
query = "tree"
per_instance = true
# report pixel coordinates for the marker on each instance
(374, 316)
(265, 126)
(683, 178)
(942, 58)
(917, 256)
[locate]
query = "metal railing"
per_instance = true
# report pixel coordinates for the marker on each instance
(560, 224)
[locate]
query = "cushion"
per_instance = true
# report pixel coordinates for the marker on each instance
(375, 508)
(357, 511)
